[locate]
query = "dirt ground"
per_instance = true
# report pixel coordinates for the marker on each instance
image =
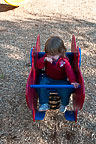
(18, 31)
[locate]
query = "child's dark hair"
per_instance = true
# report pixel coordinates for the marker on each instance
(55, 45)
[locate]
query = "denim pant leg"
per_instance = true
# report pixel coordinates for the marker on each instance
(64, 93)
(44, 92)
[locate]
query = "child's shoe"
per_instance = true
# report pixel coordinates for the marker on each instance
(62, 108)
(44, 107)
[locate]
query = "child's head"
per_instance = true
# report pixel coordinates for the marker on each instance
(55, 46)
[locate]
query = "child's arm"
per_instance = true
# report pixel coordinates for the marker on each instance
(41, 62)
(69, 72)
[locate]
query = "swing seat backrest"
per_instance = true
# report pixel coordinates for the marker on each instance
(69, 55)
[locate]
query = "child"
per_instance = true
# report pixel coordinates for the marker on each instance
(57, 71)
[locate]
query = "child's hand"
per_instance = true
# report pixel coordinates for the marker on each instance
(76, 85)
(48, 59)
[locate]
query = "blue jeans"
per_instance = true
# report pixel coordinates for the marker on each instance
(64, 93)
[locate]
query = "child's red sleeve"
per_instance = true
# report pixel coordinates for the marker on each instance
(40, 62)
(69, 72)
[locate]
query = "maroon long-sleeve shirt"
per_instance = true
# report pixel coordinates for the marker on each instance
(59, 70)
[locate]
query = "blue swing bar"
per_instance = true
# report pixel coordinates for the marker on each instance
(52, 86)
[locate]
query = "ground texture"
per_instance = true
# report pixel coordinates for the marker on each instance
(18, 31)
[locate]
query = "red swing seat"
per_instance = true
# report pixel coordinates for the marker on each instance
(31, 94)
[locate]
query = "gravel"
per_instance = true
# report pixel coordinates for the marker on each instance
(18, 31)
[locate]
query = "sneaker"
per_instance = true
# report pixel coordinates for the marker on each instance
(44, 107)
(62, 108)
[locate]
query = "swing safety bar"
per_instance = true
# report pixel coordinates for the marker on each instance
(53, 86)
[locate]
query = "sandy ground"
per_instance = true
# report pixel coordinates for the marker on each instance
(18, 31)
